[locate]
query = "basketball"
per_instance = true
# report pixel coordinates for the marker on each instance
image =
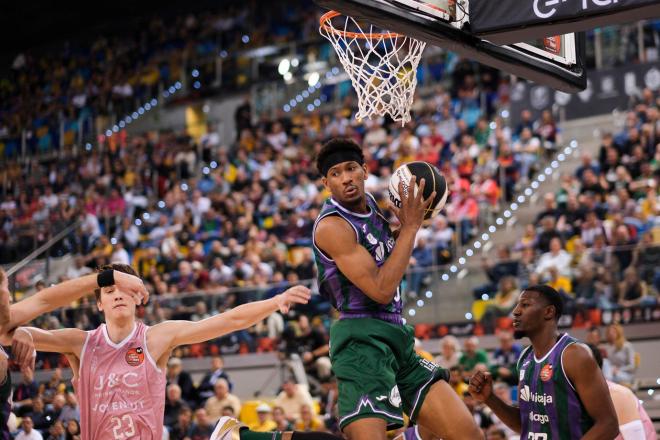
(434, 182)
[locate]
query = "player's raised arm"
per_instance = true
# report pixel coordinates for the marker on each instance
(337, 239)
(66, 341)
(169, 334)
(65, 293)
(583, 372)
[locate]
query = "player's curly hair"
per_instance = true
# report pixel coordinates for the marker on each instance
(337, 145)
(119, 268)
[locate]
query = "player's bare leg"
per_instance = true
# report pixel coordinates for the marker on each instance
(446, 416)
(367, 429)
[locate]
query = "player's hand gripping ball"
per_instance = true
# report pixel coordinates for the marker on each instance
(434, 182)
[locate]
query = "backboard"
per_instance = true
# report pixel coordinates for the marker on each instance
(553, 61)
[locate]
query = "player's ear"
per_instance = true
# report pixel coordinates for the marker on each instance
(324, 180)
(549, 313)
(366, 171)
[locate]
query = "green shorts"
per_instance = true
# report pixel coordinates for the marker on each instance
(378, 372)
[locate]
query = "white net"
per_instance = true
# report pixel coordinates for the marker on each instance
(382, 65)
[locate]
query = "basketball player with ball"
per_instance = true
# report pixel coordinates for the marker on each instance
(119, 368)
(360, 266)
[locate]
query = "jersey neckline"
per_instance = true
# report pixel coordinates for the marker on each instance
(348, 211)
(545, 356)
(123, 341)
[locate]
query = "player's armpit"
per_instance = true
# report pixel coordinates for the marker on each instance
(588, 380)
(336, 238)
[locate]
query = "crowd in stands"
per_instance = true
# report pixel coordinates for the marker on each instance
(55, 97)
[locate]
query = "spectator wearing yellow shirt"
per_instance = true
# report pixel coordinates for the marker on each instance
(265, 423)
(559, 282)
(456, 380)
(308, 421)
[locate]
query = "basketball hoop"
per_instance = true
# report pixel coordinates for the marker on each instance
(382, 65)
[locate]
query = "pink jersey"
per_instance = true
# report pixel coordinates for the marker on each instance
(120, 389)
(649, 430)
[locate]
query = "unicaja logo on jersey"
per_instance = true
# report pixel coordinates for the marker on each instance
(527, 396)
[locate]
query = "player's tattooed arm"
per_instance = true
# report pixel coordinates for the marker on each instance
(588, 380)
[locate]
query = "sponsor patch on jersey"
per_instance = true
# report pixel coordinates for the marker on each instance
(135, 356)
(546, 373)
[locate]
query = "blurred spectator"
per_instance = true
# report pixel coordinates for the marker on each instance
(497, 269)
(173, 404)
(309, 345)
(419, 350)
(633, 291)
(41, 419)
(71, 411)
(292, 397)
(505, 359)
(556, 257)
(450, 352)
(176, 375)
(281, 422)
(456, 380)
(73, 430)
(501, 305)
(206, 386)
(26, 390)
(221, 398)
(308, 421)
(264, 421)
(57, 431)
(620, 355)
(202, 428)
(183, 427)
(27, 430)
(473, 358)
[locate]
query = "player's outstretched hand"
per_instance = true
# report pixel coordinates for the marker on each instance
(22, 349)
(131, 285)
(413, 206)
(481, 386)
(293, 295)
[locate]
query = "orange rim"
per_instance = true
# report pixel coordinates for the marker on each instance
(325, 19)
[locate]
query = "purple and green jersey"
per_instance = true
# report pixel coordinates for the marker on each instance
(372, 231)
(550, 408)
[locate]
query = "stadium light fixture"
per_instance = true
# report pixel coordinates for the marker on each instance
(313, 79)
(477, 244)
(429, 294)
(284, 66)
(420, 303)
